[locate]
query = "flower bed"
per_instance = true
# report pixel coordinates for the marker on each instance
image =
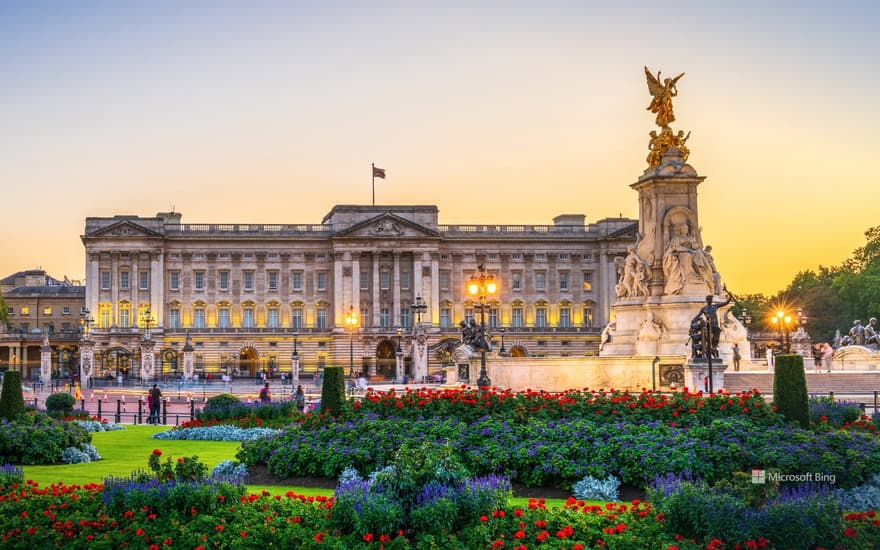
(560, 452)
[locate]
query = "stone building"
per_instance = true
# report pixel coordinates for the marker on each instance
(37, 303)
(250, 295)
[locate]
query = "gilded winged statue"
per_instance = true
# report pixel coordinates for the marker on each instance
(662, 94)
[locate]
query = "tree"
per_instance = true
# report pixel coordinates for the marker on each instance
(4, 316)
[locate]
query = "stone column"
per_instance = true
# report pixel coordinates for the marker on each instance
(114, 288)
(339, 295)
(434, 299)
(46, 360)
(134, 285)
(356, 285)
(376, 301)
(86, 362)
(395, 291)
(419, 347)
(188, 358)
(148, 359)
(157, 287)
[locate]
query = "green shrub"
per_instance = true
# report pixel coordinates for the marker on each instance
(11, 399)
(333, 391)
(221, 401)
(790, 390)
(37, 438)
(60, 404)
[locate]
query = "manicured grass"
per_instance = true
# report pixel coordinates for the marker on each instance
(124, 451)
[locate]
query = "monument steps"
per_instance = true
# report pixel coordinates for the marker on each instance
(841, 383)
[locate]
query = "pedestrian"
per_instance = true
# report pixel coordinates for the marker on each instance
(265, 395)
(300, 399)
(155, 403)
(769, 355)
(827, 354)
(149, 407)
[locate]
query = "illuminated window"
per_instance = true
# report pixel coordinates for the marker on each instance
(541, 316)
(516, 317)
(296, 317)
(124, 315)
(105, 315)
(565, 317)
(223, 317)
(47, 311)
(25, 310)
(272, 318)
(588, 280)
(321, 318)
(199, 317)
(174, 317)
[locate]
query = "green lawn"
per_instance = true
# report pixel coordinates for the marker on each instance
(124, 451)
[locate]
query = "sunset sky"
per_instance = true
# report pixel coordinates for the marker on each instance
(496, 112)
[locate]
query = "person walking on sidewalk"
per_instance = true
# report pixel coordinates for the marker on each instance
(155, 404)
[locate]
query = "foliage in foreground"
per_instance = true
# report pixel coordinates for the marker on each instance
(36, 438)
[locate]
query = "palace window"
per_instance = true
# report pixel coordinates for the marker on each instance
(47, 310)
(588, 280)
(296, 281)
(565, 317)
(516, 317)
(273, 280)
(321, 318)
(199, 280)
(144, 280)
(65, 310)
(587, 319)
(444, 280)
(322, 280)
(365, 280)
(248, 280)
(296, 318)
(124, 315)
(468, 314)
(105, 315)
(174, 280)
(563, 281)
(539, 280)
(384, 279)
(199, 317)
(516, 280)
(404, 317)
(493, 317)
(223, 317)
(404, 280)
(445, 317)
(105, 280)
(385, 318)
(224, 280)
(123, 280)
(25, 310)
(272, 318)
(541, 316)
(174, 317)
(247, 317)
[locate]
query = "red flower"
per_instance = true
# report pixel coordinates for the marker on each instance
(319, 538)
(218, 528)
(368, 537)
(484, 519)
(157, 452)
(850, 533)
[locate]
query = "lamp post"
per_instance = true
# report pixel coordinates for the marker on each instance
(294, 362)
(399, 353)
(746, 320)
(502, 352)
(85, 324)
(783, 322)
(351, 321)
(480, 286)
(418, 308)
(147, 322)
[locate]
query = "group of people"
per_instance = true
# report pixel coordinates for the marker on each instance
(299, 396)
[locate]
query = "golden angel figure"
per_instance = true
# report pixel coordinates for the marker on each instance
(662, 94)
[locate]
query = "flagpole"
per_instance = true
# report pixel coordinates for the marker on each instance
(373, 171)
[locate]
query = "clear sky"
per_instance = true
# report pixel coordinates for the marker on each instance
(496, 112)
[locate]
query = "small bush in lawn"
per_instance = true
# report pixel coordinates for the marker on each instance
(230, 469)
(590, 488)
(184, 469)
(60, 404)
(221, 401)
(37, 438)
(72, 455)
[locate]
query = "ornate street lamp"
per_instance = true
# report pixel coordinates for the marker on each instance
(418, 308)
(783, 322)
(481, 286)
(502, 352)
(147, 322)
(351, 321)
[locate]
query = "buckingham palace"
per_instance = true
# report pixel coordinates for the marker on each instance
(246, 299)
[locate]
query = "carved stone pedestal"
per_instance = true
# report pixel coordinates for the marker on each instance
(696, 376)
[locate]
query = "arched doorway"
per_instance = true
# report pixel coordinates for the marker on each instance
(518, 351)
(386, 362)
(247, 362)
(117, 362)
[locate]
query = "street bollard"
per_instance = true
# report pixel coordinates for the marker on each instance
(192, 409)
(99, 409)
(875, 401)
(140, 411)
(118, 410)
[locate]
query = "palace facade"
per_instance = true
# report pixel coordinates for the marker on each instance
(250, 295)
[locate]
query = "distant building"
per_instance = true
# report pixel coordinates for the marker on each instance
(37, 302)
(249, 293)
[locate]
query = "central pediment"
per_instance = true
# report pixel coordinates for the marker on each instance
(386, 226)
(125, 229)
